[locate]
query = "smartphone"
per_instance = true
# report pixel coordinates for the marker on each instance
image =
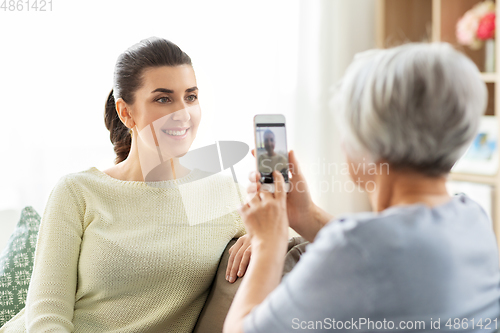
(271, 152)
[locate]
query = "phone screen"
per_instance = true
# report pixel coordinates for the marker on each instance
(272, 152)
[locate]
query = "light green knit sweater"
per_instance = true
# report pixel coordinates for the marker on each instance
(128, 256)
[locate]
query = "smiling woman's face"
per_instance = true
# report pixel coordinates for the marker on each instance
(168, 102)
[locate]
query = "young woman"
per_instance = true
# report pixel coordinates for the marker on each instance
(134, 248)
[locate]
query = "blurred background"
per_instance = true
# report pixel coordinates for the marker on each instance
(250, 57)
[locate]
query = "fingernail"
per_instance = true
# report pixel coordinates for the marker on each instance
(227, 277)
(239, 273)
(231, 279)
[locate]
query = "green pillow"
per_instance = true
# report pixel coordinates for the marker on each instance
(16, 264)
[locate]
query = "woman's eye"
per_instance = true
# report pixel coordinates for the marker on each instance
(192, 98)
(163, 99)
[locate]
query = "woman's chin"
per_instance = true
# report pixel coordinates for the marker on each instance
(181, 154)
(178, 151)
(175, 147)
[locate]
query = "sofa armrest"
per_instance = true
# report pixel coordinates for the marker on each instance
(219, 299)
(222, 292)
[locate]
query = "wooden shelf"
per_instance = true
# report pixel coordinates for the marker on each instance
(403, 21)
(464, 177)
(489, 77)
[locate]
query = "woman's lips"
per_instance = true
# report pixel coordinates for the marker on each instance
(177, 134)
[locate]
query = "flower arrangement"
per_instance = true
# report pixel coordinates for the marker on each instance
(477, 25)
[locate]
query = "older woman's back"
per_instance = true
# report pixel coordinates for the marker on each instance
(408, 267)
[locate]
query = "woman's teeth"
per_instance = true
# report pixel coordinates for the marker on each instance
(175, 132)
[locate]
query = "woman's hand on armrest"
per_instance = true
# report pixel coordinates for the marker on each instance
(239, 257)
(303, 215)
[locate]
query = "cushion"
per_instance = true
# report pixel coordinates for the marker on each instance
(16, 264)
(222, 292)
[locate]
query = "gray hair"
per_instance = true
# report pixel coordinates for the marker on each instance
(415, 106)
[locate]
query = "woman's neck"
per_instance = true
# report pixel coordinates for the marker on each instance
(406, 188)
(130, 168)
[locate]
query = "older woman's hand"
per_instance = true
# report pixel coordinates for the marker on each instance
(239, 257)
(266, 222)
(265, 215)
(304, 216)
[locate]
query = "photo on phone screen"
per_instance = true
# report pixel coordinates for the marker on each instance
(272, 153)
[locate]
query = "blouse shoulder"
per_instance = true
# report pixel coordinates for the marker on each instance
(71, 179)
(72, 187)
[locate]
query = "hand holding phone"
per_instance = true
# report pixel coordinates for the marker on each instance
(271, 149)
(303, 215)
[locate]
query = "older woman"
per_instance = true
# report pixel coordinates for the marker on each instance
(421, 260)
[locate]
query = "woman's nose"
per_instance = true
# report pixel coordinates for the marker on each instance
(181, 115)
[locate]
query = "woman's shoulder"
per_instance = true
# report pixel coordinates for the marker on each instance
(213, 187)
(89, 173)
(400, 225)
(71, 186)
(81, 186)
(195, 176)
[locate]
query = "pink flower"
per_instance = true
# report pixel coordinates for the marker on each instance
(486, 28)
(466, 28)
(476, 25)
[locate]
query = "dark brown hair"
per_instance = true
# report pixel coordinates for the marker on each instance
(128, 78)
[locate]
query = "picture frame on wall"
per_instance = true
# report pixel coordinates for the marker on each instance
(482, 155)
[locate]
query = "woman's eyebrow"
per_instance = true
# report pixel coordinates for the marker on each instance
(170, 91)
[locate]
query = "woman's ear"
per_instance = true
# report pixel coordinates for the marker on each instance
(124, 112)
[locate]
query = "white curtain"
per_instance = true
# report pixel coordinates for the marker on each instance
(330, 33)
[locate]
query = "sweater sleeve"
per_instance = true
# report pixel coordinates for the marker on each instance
(50, 300)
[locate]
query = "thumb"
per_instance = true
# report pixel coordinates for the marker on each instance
(295, 168)
(279, 182)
